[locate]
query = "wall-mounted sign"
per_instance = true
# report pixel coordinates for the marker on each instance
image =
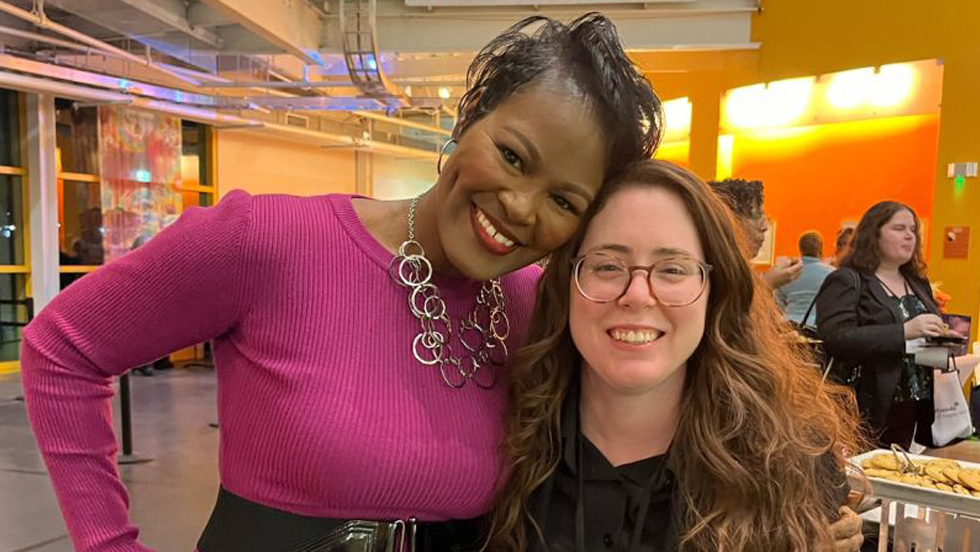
(956, 242)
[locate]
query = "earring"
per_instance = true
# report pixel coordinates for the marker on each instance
(443, 152)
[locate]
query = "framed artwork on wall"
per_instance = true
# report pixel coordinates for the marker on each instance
(765, 257)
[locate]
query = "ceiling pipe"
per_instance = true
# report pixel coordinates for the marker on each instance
(83, 66)
(88, 95)
(116, 84)
(206, 116)
(220, 121)
(26, 83)
(346, 83)
(403, 122)
(327, 138)
(41, 20)
(282, 84)
(465, 12)
(10, 31)
(82, 105)
(201, 75)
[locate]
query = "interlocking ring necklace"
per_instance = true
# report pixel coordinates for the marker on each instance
(482, 335)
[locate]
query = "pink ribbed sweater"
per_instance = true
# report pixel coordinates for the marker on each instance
(323, 409)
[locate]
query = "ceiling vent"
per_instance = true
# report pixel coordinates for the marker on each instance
(295, 120)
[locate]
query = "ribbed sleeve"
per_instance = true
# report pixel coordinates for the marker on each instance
(181, 288)
(323, 409)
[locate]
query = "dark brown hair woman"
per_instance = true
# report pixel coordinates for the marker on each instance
(875, 310)
(656, 406)
(840, 245)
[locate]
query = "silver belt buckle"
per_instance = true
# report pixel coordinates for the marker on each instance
(402, 533)
(366, 536)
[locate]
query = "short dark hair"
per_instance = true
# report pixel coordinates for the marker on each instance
(587, 53)
(743, 197)
(863, 254)
(811, 244)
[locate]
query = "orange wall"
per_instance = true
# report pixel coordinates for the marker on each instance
(678, 153)
(820, 176)
(795, 42)
(260, 164)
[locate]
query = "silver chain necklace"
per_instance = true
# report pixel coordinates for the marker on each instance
(482, 335)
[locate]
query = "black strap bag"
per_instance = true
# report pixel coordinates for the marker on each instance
(836, 370)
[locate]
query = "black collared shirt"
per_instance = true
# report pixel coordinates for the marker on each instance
(613, 498)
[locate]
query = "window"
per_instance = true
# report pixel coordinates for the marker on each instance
(12, 220)
(80, 248)
(10, 129)
(16, 308)
(196, 186)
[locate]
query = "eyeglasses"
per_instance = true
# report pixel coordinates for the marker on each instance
(674, 281)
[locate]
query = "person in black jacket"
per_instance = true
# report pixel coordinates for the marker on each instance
(656, 406)
(874, 312)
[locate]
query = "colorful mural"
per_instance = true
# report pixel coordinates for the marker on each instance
(140, 155)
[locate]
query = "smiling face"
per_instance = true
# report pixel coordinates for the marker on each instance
(897, 239)
(635, 344)
(519, 181)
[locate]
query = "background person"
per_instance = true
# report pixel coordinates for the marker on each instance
(876, 310)
(797, 296)
(745, 198)
(840, 244)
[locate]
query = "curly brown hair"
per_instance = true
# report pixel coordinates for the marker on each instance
(756, 426)
(863, 254)
(743, 197)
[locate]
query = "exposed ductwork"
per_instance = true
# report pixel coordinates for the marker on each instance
(159, 25)
(368, 55)
(39, 18)
(358, 28)
(213, 58)
(220, 121)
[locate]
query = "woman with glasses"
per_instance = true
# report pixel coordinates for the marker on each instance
(656, 406)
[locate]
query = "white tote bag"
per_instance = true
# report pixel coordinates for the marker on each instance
(952, 412)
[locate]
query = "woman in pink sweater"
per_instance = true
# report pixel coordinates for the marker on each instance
(359, 344)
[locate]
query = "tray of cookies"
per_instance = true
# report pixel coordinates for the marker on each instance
(939, 483)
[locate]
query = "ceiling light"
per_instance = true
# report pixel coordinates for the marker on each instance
(894, 85)
(849, 89)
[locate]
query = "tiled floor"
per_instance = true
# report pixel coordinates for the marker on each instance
(170, 497)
